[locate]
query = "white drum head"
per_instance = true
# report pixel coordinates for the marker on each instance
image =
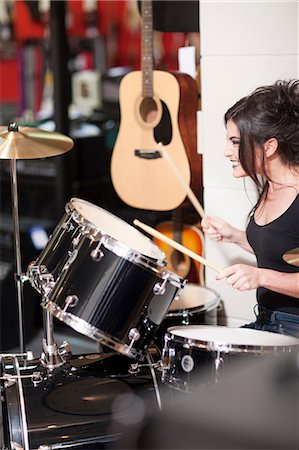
(194, 296)
(220, 335)
(117, 229)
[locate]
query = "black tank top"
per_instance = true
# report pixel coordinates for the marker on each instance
(269, 243)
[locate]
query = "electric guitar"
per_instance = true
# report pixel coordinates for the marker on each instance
(156, 107)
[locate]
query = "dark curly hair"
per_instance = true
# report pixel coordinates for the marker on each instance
(269, 112)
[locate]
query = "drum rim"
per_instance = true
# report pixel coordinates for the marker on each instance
(70, 208)
(16, 391)
(206, 307)
(210, 305)
(225, 347)
(91, 331)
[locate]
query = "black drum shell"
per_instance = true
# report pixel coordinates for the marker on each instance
(72, 407)
(114, 296)
(189, 364)
(56, 252)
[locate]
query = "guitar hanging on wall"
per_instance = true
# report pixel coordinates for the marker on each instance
(191, 237)
(156, 106)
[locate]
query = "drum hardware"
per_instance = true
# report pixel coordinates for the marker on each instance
(10, 380)
(154, 378)
(159, 288)
(97, 253)
(41, 280)
(72, 256)
(133, 335)
(70, 302)
(26, 143)
(135, 368)
(28, 356)
(51, 356)
(218, 364)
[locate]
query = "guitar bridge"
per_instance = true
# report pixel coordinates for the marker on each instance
(148, 154)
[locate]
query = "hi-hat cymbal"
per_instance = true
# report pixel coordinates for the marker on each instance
(30, 143)
(292, 257)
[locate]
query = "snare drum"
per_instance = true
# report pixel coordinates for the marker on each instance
(112, 287)
(85, 219)
(74, 407)
(196, 305)
(194, 355)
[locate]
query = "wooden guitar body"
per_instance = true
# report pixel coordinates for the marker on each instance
(140, 177)
(192, 238)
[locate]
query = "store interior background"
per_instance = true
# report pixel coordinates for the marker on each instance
(237, 48)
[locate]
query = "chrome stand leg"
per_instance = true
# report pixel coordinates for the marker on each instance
(156, 387)
(51, 358)
(19, 277)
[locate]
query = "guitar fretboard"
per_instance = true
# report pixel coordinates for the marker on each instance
(147, 48)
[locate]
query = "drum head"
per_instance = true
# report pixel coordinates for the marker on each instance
(218, 337)
(88, 396)
(117, 229)
(195, 296)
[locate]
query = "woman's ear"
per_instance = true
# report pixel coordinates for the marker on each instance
(270, 146)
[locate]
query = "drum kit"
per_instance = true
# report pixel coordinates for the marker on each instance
(106, 280)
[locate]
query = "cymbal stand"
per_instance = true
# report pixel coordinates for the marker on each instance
(19, 276)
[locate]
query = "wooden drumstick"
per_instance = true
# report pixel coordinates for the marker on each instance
(187, 188)
(176, 245)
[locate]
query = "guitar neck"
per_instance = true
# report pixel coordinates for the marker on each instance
(147, 48)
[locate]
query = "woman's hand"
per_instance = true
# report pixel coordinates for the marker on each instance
(242, 277)
(222, 231)
(218, 229)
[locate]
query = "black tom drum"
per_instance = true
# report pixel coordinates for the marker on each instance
(113, 287)
(83, 218)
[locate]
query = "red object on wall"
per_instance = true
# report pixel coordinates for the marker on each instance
(9, 81)
(25, 27)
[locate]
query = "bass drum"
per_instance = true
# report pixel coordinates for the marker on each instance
(196, 355)
(196, 305)
(82, 405)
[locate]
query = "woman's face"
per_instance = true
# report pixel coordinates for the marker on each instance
(231, 150)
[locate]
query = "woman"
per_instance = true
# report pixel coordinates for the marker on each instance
(263, 143)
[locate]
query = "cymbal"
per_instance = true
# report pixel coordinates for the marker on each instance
(292, 257)
(30, 143)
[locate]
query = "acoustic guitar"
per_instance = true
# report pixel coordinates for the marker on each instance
(191, 237)
(156, 107)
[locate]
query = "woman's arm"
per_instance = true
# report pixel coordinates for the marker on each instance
(244, 277)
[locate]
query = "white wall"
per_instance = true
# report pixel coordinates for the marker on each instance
(244, 44)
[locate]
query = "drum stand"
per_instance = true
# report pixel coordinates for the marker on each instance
(156, 387)
(135, 367)
(51, 356)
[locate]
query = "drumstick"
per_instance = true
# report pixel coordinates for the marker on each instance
(176, 245)
(177, 173)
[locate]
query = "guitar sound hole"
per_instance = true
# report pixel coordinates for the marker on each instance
(180, 263)
(148, 110)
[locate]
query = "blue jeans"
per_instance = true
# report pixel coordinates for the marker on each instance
(275, 321)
